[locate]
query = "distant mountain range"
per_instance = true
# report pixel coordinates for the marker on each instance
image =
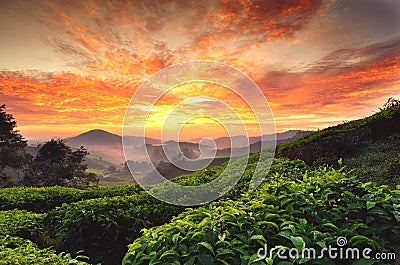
(100, 137)
(108, 146)
(241, 140)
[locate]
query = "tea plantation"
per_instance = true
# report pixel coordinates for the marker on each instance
(295, 207)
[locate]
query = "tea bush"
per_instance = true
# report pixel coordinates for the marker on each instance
(366, 145)
(15, 251)
(291, 211)
(87, 225)
(41, 200)
(23, 224)
(103, 227)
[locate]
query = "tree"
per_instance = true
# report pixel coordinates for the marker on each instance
(392, 102)
(12, 148)
(57, 164)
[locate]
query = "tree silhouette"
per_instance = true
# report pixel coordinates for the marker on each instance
(12, 148)
(392, 102)
(57, 164)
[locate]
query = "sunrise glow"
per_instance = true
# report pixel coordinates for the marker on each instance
(68, 67)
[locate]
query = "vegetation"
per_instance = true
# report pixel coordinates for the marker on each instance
(299, 205)
(23, 224)
(294, 204)
(366, 145)
(376, 161)
(170, 170)
(86, 225)
(12, 149)
(289, 210)
(40, 200)
(57, 164)
(15, 250)
(103, 227)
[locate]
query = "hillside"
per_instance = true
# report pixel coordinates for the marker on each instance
(370, 146)
(95, 137)
(242, 141)
(295, 207)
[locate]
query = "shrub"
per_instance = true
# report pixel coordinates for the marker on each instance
(15, 250)
(23, 224)
(311, 211)
(394, 169)
(344, 140)
(37, 199)
(103, 227)
(43, 199)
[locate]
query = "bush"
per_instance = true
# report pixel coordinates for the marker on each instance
(43, 199)
(37, 199)
(394, 169)
(23, 224)
(15, 250)
(344, 140)
(311, 211)
(103, 227)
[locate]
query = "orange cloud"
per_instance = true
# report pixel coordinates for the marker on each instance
(147, 36)
(344, 85)
(111, 47)
(65, 99)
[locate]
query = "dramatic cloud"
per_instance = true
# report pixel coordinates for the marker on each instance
(345, 84)
(79, 62)
(58, 100)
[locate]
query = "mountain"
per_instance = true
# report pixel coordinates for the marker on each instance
(369, 146)
(241, 140)
(101, 145)
(108, 146)
(267, 142)
(95, 138)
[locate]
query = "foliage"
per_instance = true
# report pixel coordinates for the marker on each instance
(46, 198)
(15, 250)
(346, 140)
(392, 102)
(295, 207)
(296, 212)
(21, 223)
(103, 227)
(394, 168)
(169, 170)
(12, 145)
(57, 164)
(88, 224)
(376, 161)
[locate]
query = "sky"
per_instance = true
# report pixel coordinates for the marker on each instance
(70, 66)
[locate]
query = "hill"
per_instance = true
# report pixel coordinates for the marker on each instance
(241, 140)
(295, 206)
(95, 137)
(107, 146)
(169, 170)
(370, 146)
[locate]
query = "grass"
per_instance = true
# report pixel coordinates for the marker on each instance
(371, 162)
(366, 145)
(117, 179)
(94, 171)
